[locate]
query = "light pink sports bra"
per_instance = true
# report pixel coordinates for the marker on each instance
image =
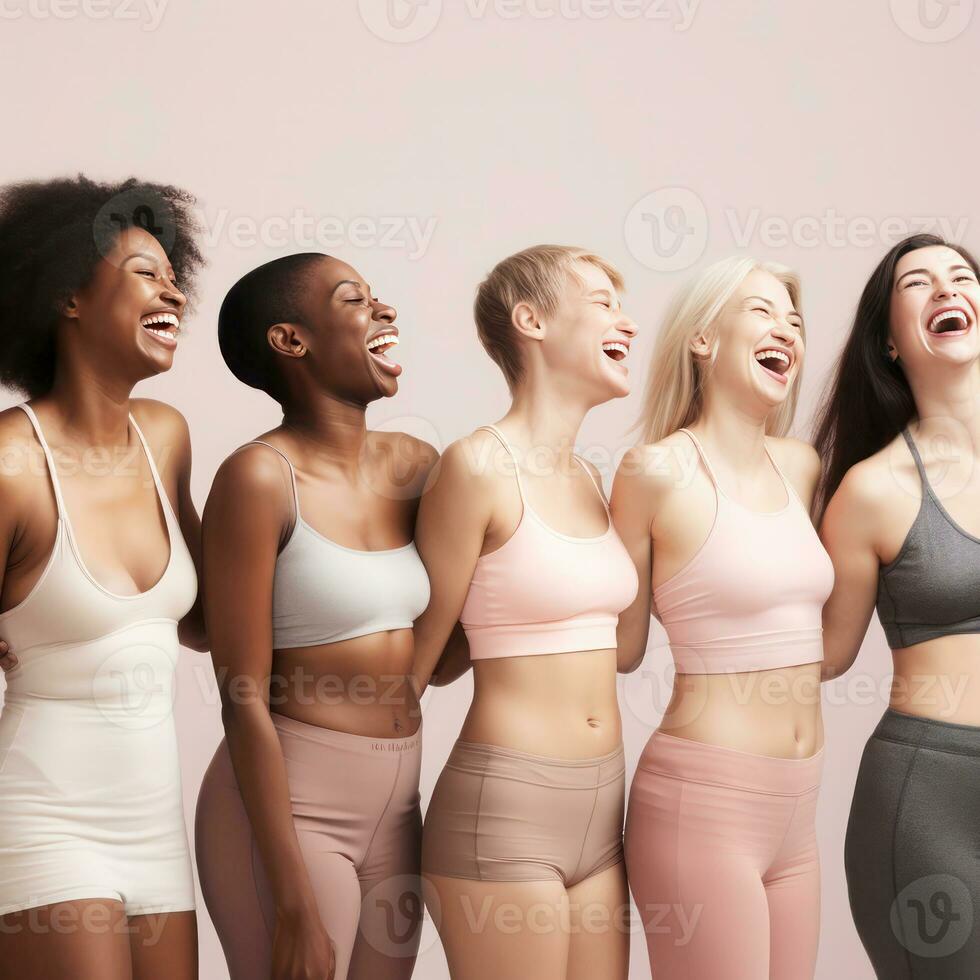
(752, 596)
(543, 591)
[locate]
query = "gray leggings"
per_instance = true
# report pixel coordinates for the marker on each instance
(912, 852)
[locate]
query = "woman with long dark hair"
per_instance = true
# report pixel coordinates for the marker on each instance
(899, 433)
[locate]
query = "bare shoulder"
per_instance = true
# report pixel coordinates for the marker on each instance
(160, 417)
(796, 458)
(21, 465)
(656, 468)
(403, 458)
(253, 469)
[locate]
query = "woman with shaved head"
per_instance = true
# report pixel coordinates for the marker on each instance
(308, 823)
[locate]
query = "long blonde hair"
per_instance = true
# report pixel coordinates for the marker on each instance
(675, 387)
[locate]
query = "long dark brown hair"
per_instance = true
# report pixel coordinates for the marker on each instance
(869, 400)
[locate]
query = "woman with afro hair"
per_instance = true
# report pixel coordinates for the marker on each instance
(99, 551)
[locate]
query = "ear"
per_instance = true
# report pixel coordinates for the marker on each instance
(525, 319)
(890, 351)
(68, 308)
(700, 347)
(285, 338)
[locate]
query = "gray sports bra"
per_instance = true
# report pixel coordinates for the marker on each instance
(324, 592)
(932, 588)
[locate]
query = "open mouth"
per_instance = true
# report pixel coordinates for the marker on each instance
(617, 352)
(162, 326)
(378, 348)
(774, 362)
(949, 321)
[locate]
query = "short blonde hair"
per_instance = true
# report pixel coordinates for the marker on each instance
(675, 385)
(537, 276)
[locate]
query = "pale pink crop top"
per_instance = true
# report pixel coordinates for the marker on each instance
(752, 596)
(543, 591)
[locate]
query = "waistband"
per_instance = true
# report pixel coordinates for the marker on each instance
(929, 733)
(483, 759)
(362, 744)
(687, 759)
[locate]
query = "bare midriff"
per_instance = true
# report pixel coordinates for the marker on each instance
(561, 705)
(939, 679)
(360, 686)
(772, 712)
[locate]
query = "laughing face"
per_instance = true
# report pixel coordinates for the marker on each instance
(347, 335)
(760, 341)
(590, 336)
(128, 315)
(933, 316)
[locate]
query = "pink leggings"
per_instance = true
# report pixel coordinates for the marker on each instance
(722, 861)
(355, 804)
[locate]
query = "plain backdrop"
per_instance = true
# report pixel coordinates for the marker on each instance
(422, 142)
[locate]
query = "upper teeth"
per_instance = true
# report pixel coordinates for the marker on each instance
(777, 354)
(385, 338)
(946, 315)
(613, 345)
(168, 318)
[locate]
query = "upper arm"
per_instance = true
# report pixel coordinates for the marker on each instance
(848, 534)
(630, 503)
(453, 516)
(244, 522)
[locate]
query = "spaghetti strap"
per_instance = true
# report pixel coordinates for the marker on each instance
(155, 473)
(55, 483)
(703, 455)
(512, 454)
(595, 483)
(919, 465)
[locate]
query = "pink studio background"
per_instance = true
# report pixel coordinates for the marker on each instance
(427, 140)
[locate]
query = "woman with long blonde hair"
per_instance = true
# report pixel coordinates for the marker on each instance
(713, 507)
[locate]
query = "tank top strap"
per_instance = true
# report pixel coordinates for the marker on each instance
(595, 483)
(49, 458)
(919, 465)
(511, 453)
(292, 470)
(790, 489)
(703, 456)
(154, 472)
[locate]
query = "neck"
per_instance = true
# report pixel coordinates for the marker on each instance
(949, 405)
(333, 429)
(93, 410)
(735, 434)
(545, 421)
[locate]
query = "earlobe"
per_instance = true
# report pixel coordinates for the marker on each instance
(69, 308)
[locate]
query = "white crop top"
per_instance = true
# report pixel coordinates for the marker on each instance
(324, 592)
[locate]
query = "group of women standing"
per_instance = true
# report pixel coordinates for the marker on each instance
(338, 571)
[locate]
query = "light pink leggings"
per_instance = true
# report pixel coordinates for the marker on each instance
(722, 861)
(355, 805)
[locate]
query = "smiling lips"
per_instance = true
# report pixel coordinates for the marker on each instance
(949, 321)
(775, 362)
(163, 327)
(616, 350)
(378, 347)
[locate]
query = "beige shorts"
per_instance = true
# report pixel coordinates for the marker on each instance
(497, 814)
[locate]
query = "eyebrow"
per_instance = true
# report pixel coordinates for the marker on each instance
(352, 282)
(140, 255)
(925, 272)
(603, 292)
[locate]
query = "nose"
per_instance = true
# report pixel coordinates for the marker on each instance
(627, 326)
(382, 311)
(945, 289)
(172, 294)
(785, 331)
